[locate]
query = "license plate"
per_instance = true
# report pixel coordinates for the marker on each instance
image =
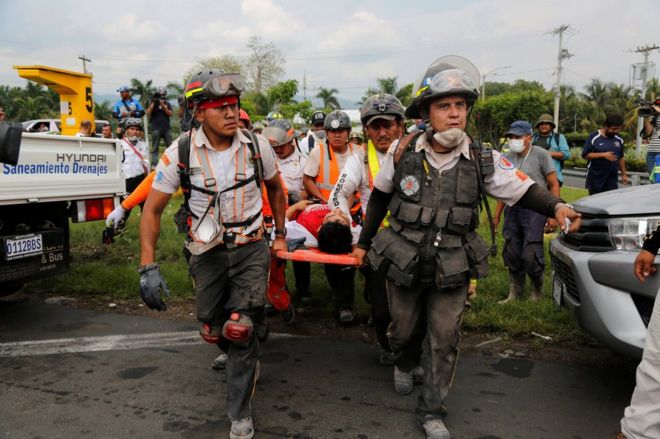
(557, 290)
(23, 246)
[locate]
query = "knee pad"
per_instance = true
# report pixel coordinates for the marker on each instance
(238, 328)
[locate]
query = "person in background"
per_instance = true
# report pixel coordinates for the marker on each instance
(85, 129)
(106, 131)
(523, 228)
(159, 112)
(604, 150)
(555, 143)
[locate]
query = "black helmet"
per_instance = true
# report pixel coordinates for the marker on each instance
(318, 117)
(194, 91)
(337, 120)
(446, 76)
(381, 105)
(162, 91)
(279, 132)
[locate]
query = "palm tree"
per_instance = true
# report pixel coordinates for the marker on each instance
(175, 88)
(31, 107)
(103, 110)
(145, 90)
(329, 101)
(389, 85)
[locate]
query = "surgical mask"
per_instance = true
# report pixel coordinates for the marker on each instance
(516, 145)
(207, 229)
(451, 138)
(320, 134)
(133, 139)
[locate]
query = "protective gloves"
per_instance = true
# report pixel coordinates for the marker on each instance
(116, 218)
(151, 283)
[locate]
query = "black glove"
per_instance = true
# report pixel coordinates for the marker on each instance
(151, 283)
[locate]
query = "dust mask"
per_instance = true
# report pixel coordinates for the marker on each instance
(516, 145)
(451, 138)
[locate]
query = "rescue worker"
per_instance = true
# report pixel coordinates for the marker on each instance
(244, 120)
(135, 163)
(555, 143)
(382, 117)
(355, 138)
(321, 173)
(229, 258)
(316, 134)
(523, 228)
(430, 183)
(291, 162)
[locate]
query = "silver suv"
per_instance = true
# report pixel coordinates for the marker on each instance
(593, 268)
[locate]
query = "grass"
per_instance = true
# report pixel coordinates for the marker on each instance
(109, 273)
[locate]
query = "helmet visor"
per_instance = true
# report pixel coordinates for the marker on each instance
(452, 79)
(223, 85)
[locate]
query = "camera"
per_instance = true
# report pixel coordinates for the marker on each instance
(156, 98)
(645, 108)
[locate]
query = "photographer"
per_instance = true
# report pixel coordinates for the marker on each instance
(651, 131)
(159, 112)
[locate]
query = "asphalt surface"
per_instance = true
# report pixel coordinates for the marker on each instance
(67, 373)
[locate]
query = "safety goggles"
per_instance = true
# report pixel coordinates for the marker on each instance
(224, 85)
(448, 80)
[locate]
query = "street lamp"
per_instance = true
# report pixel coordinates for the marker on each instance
(483, 79)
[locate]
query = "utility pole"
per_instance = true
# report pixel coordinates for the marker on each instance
(305, 85)
(644, 69)
(483, 79)
(85, 60)
(562, 54)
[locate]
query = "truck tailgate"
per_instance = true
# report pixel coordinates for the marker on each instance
(61, 168)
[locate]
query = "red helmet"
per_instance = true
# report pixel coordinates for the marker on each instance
(244, 116)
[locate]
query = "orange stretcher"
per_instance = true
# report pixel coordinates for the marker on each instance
(314, 255)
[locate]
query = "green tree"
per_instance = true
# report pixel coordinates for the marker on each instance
(103, 110)
(145, 90)
(389, 85)
(282, 93)
(264, 66)
(330, 102)
(494, 115)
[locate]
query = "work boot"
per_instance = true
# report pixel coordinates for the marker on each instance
(346, 316)
(289, 314)
(403, 381)
(537, 288)
(435, 429)
(242, 429)
(220, 362)
(516, 287)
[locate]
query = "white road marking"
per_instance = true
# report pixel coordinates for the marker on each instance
(105, 343)
(97, 344)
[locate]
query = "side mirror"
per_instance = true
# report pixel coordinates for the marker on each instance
(10, 142)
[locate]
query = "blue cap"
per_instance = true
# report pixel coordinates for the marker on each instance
(519, 128)
(123, 88)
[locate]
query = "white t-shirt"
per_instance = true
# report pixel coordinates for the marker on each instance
(354, 177)
(292, 170)
(134, 163)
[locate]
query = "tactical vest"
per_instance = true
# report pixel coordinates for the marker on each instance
(432, 235)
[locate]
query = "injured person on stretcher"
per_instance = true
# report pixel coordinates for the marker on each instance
(331, 230)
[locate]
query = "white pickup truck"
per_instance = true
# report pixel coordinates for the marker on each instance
(53, 179)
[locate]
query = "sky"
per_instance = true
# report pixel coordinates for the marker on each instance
(342, 44)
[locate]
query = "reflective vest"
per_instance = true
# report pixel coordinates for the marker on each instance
(373, 166)
(329, 174)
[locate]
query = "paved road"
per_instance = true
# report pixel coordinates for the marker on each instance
(68, 373)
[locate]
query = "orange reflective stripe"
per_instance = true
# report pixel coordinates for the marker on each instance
(140, 193)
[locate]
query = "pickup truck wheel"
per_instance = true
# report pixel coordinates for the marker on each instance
(10, 288)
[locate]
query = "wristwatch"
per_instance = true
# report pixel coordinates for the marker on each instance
(280, 233)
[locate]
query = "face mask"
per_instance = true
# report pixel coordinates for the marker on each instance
(133, 139)
(451, 138)
(516, 145)
(320, 134)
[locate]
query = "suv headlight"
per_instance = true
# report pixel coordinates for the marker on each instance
(629, 233)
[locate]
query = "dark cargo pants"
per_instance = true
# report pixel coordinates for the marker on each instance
(229, 280)
(523, 249)
(438, 315)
